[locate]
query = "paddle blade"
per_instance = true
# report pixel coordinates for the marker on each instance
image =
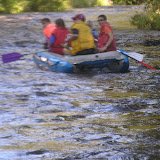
(9, 57)
(134, 55)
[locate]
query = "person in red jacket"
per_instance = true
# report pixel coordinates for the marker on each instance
(58, 37)
(106, 40)
(48, 28)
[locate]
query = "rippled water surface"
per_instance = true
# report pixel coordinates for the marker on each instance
(96, 115)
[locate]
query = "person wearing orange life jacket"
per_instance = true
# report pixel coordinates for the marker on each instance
(82, 41)
(106, 40)
(48, 28)
(58, 37)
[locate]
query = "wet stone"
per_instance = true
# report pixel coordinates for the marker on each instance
(37, 152)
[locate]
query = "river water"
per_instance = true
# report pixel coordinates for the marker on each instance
(46, 115)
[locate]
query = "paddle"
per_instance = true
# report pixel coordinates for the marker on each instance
(10, 57)
(136, 56)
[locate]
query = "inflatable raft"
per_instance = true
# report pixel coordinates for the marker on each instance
(115, 61)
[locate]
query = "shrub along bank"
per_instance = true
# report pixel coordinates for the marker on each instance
(149, 19)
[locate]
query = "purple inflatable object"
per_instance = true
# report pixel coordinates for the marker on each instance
(9, 57)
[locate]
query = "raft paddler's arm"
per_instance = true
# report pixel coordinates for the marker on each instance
(51, 40)
(110, 34)
(72, 38)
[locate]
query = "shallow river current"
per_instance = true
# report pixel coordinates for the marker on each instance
(95, 115)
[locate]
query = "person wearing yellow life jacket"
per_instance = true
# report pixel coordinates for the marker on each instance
(82, 41)
(58, 37)
(48, 28)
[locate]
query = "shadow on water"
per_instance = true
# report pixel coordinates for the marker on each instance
(152, 42)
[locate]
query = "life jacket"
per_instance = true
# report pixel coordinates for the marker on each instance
(60, 36)
(103, 38)
(47, 31)
(85, 39)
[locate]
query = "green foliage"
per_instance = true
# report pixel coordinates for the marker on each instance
(150, 18)
(6, 6)
(87, 3)
(148, 21)
(83, 3)
(45, 5)
(10, 6)
(153, 5)
(128, 2)
(141, 21)
(16, 6)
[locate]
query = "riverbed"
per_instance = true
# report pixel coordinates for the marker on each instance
(97, 115)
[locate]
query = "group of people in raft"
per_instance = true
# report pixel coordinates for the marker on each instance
(81, 38)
